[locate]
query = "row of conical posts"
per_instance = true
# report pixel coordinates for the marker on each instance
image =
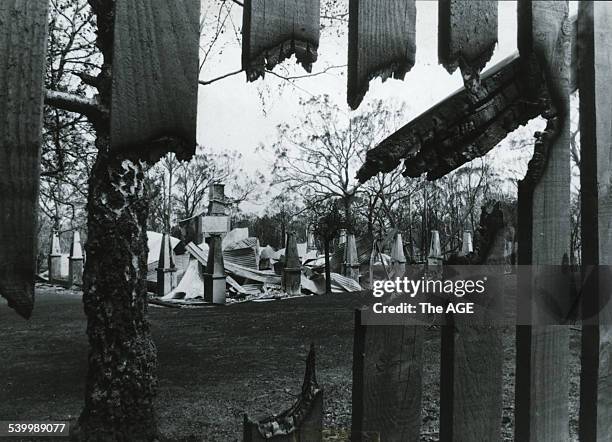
(75, 260)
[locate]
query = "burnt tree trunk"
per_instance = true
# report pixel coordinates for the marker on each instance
(121, 381)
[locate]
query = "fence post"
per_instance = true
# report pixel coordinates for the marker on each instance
(595, 78)
(23, 37)
(541, 397)
(471, 359)
(387, 382)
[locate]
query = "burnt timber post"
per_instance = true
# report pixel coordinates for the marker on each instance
(23, 39)
(292, 272)
(541, 399)
(214, 276)
(595, 68)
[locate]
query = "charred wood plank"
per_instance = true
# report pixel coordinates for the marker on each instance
(541, 403)
(387, 382)
(595, 44)
(467, 37)
(472, 355)
(303, 421)
(273, 30)
(463, 127)
(381, 43)
(155, 77)
(23, 36)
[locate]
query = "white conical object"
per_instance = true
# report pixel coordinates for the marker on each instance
(166, 270)
(55, 245)
(55, 259)
(435, 251)
(342, 236)
(351, 258)
(76, 251)
(434, 248)
(466, 246)
(397, 250)
(310, 241)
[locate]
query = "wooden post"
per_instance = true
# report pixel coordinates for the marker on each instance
(75, 269)
(387, 382)
(23, 38)
(381, 43)
(273, 30)
(155, 77)
(472, 354)
(541, 405)
(292, 272)
(467, 37)
(595, 78)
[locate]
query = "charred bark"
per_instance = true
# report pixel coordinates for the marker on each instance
(121, 381)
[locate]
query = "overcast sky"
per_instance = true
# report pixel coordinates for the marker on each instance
(233, 115)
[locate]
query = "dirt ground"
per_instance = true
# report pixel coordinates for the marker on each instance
(215, 364)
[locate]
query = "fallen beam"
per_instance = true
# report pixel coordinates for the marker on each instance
(461, 128)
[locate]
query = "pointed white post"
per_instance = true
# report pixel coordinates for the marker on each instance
(467, 246)
(75, 269)
(166, 270)
(435, 252)
(55, 259)
(292, 272)
(398, 258)
(351, 258)
(214, 277)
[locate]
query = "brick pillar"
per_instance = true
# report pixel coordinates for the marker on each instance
(214, 276)
(75, 269)
(55, 259)
(166, 269)
(292, 273)
(398, 259)
(350, 265)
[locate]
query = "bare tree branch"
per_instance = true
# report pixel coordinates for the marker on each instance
(75, 103)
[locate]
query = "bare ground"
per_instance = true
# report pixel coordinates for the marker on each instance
(215, 364)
